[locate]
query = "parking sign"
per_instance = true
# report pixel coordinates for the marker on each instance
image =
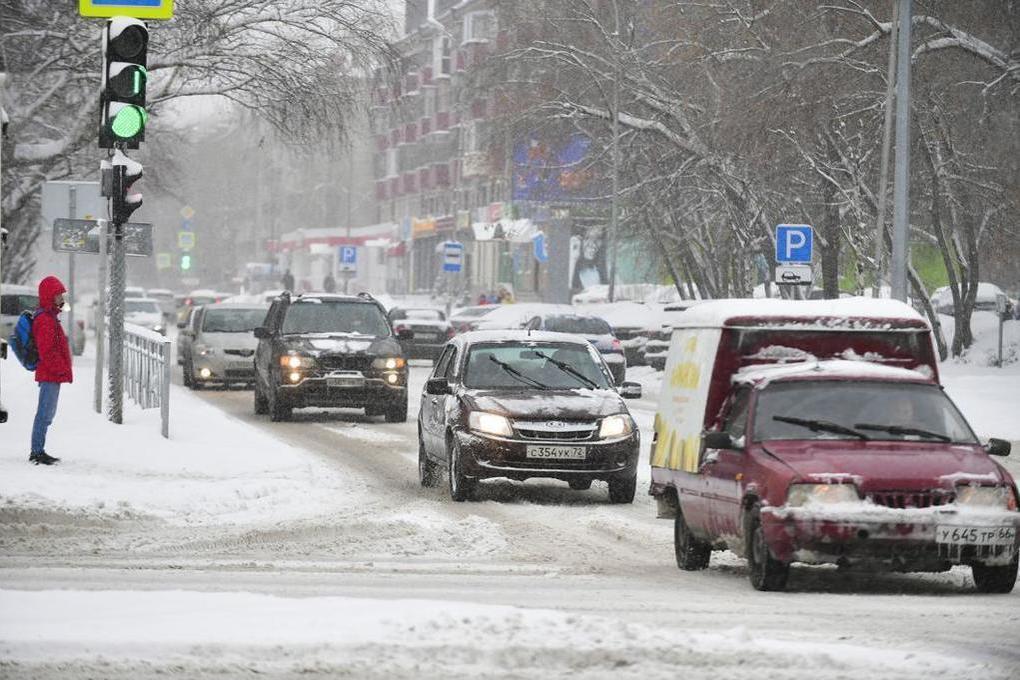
(453, 256)
(348, 258)
(794, 243)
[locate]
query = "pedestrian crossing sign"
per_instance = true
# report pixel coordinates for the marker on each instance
(137, 9)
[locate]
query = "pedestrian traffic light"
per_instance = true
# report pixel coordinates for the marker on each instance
(125, 173)
(185, 262)
(122, 114)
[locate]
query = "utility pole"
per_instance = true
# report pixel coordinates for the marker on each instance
(883, 181)
(3, 232)
(901, 188)
(613, 207)
(350, 185)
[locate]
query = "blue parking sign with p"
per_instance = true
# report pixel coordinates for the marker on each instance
(794, 243)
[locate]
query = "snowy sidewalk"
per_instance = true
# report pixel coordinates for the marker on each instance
(213, 469)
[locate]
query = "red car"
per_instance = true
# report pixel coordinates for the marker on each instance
(826, 459)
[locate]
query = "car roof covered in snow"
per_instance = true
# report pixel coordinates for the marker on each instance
(854, 312)
(763, 374)
(518, 336)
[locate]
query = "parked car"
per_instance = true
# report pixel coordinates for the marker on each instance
(14, 300)
(520, 404)
(144, 312)
(195, 298)
(657, 346)
(222, 346)
(429, 330)
(985, 300)
(817, 432)
(466, 318)
(630, 322)
(330, 351)
(591, 328)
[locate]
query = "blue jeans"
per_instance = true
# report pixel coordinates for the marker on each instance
(48, 393)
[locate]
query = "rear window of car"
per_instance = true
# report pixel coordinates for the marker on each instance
(316, 316)
(419, 314)
(14, 305)
(581, 325)
(232, 320)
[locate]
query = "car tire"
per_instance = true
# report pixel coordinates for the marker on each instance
(766, 572)
(692, 554)
(461, 487)
(278, 411)
(397, 413)
(995, 579)
(621, 489)
(428, 470)
(261, 403)
(580, 484)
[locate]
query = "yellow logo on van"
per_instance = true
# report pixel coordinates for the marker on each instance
(685, 375)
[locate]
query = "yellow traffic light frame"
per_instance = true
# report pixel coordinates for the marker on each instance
(138, 9)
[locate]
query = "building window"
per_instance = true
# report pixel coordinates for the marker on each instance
(479, 26)
(441, 57)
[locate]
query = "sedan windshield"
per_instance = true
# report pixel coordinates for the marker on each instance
(858, 410)
(582, 325)
(361, 318)
(141, 307)
(534, 365)
(232, 320)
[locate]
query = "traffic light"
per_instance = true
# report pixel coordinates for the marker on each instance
(122, 114)
(125, 173)
(185, 262)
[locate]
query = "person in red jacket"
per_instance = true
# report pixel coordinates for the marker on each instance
(54, 365)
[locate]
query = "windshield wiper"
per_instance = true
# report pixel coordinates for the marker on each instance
(514, 373)
(898, 429)
(567, 368)
(821, 426)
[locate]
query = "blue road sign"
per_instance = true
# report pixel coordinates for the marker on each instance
(348, 258)
(453, 256)
(794, 243)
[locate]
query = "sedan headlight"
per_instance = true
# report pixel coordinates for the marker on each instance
(615, 426)
(805, 494)
(389, 363)
(985, 497)
(489, 423)
(205, 351)
(296, 361)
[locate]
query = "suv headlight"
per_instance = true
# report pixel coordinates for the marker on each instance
(489, 423)
(205, 351)
(804, 494)
(389, 363)
(296, 361)
(615, 426)
(986, 497)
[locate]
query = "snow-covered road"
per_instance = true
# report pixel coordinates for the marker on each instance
(373, 576)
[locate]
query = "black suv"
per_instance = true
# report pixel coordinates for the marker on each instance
(331, 351)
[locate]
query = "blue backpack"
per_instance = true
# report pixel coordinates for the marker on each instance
(23, 343)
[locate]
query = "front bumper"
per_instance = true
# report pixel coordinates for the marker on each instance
(486, 456)
(889, 538)
(223, 368)
(314, 390)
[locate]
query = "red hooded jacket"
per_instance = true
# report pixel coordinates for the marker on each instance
(54, 351)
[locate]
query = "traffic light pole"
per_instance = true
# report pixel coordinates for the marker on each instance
(115, 411)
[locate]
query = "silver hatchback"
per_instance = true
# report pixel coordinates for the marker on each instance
(223, 344)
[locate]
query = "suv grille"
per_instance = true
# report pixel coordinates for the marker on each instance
(239, 352)
(912, 499)
(345, 362)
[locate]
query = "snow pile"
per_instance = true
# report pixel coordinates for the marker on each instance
(116, 632)
(984, 351)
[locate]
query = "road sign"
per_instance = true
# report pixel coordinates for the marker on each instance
(186, 240)
(794, 243)
(137, 9)
(82, 236)
(453, 256)
(162, 260)
(793, 274)
(56, 201)
(348, 258)
(187, 212)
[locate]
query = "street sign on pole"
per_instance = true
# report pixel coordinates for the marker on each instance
(163, 261)
(348, 258)
(453, 256)
(137, 9)
(82, 236)
(186, 240)
(793, 274)
(794, 243)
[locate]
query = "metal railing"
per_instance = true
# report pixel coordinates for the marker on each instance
(147, 370)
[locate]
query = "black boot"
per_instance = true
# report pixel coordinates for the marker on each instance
(42, 458)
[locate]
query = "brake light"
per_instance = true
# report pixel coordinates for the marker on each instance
(450, 332)
(400, 328)
(616, 343)
(187, 302)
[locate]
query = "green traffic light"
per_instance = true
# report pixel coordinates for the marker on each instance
(185, 262)
(128, 122)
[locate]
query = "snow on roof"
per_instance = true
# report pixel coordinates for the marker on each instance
(718, 313)
(521, 336)
(763, 374)
(516, 315)
(624, 314)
